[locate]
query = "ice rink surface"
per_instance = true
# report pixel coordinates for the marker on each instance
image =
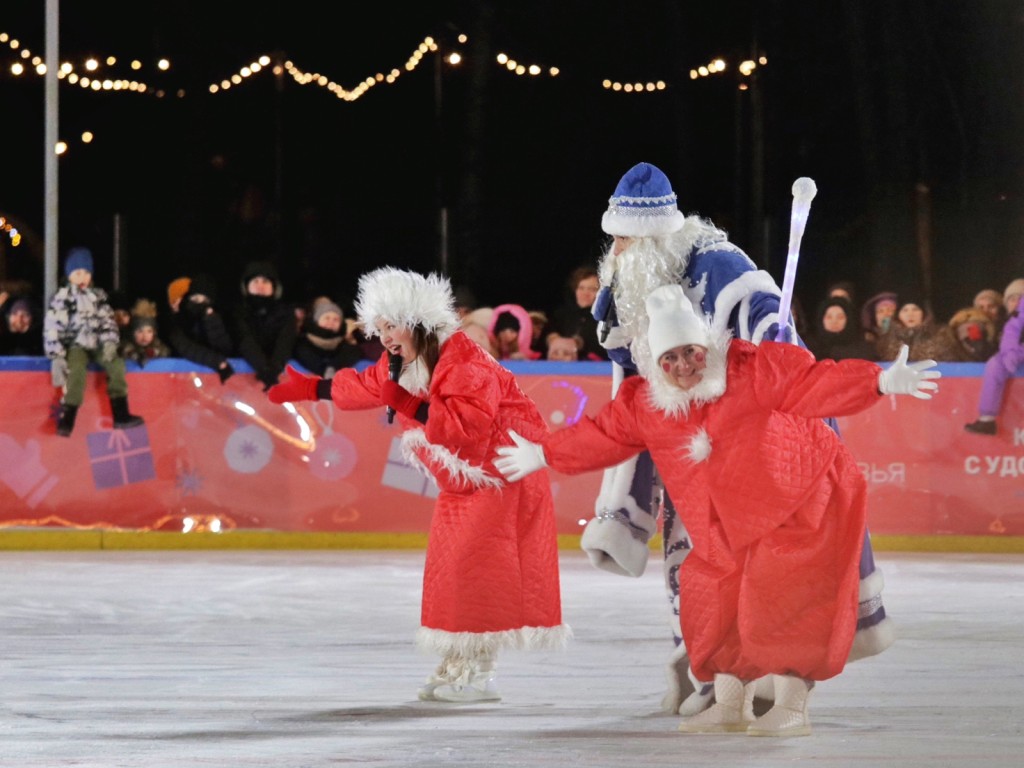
(290, 659)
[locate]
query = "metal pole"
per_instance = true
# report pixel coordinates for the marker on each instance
(119, 277)
(50, 133)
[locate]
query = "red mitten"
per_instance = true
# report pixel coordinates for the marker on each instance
(297, 386)
(400, 398)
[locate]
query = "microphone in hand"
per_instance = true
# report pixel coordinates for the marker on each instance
(394, 371)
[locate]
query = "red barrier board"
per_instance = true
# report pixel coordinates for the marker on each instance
(222, 457)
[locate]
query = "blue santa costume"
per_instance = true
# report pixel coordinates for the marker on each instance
(656, 245)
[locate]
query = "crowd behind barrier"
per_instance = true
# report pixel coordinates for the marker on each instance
(220, 457)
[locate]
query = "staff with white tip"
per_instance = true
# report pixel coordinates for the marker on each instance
(804, 190)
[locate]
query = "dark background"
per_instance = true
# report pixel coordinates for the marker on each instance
(907, 114)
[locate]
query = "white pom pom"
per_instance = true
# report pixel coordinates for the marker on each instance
(804, 189)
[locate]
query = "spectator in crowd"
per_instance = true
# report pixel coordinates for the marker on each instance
(322, 347)
(990, 302)
(1003, 365)
(197, 331)
(21, 332)
(264, 325)
(915, 327)
(876, 315)
(491, 576)
(475, 324)
(145, 344)
(771, 581)
(574, 318)
(79, 327)
(970, 337)
(562, 349)
(512, 331)
(835, 335)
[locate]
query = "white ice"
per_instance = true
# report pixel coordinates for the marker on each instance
(294, 659)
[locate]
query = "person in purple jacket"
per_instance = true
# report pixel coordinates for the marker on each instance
(1003, 365)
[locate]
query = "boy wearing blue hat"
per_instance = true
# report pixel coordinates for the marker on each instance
(79, 327)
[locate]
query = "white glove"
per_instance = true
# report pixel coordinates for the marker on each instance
(914, 379)
(520, 460)
(59, 371)
(616, 336)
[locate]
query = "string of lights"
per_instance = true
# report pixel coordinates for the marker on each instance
(26, 62)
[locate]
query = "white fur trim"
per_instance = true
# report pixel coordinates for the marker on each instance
(406, 299)
(872, 640)
(665, 396)
(482, 644)
(611, 547)
(739, 291)
(871, 587)
(700, 447)
(460, 469)
(630, 221)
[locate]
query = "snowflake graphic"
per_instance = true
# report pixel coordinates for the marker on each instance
(248, 449)
(189, 483)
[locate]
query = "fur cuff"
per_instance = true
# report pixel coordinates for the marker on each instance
(872, 640)
(611, 547)
(474, 645)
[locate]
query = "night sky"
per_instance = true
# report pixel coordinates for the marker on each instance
(907, 114)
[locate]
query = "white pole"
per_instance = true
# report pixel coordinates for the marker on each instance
(804, 190)
(50, 134)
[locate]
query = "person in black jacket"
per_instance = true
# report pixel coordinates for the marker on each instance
(322, 347)
(265, 327)
(197, 331)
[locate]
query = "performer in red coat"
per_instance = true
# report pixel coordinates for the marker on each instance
(491, 576)
(775, 502)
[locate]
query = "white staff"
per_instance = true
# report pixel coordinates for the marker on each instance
(804, 190)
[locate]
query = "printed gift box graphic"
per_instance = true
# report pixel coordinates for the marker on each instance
(120, 457)
(400, 474)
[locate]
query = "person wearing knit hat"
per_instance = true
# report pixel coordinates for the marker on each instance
(322, 347)
(79, 328)
(196, 330)
(776, 505)
(1003, 365)
(264, 325)
(491, 576)
(652, 243)
(144, 344)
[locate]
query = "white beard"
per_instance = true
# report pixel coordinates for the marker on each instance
(648, 263)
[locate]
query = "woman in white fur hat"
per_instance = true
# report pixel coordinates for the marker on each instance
(491, 575)
(775, 503)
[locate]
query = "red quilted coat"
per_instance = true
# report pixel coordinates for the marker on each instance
(491, 576)
(772, 500)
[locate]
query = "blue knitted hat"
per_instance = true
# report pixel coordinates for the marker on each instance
(643, 205)
(78, 258)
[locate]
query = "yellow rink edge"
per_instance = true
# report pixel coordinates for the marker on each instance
(27, 539)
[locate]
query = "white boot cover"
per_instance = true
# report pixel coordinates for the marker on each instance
(467, 680)
(789, 715)
(731, 712)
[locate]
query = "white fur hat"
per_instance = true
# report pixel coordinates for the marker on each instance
(406, 299)
(673, 323)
